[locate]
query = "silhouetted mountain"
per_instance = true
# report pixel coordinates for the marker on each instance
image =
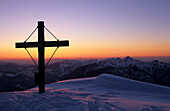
(15, 77)
(20, 77)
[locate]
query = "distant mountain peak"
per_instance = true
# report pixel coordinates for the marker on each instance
(127, 58)
(118, 58)
(155, 61)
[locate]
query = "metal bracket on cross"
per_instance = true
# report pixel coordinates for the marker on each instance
(41, 44)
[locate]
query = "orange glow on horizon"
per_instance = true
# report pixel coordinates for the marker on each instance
(107, 50)
(75, 53)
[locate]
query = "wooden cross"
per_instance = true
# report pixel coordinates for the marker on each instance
(41, 44)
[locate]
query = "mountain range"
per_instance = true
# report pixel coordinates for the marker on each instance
(21, 77)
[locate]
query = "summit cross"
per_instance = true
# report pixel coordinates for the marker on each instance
(41, 44)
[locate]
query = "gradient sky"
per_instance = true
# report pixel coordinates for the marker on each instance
(95, 28)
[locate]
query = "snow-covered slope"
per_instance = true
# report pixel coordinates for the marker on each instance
(102, 93)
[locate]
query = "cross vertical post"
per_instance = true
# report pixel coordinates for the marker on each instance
(41, 59)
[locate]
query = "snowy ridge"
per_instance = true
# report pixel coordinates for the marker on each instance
(120, 83)
(153, 72)
(66, 66)
(121, 62)
(102, 93)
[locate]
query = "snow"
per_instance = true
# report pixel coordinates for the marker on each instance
(116, 62)
(103, 93)
(9, 75)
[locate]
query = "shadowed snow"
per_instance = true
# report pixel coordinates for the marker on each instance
(103, 93)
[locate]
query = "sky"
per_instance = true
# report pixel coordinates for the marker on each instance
(95, 28)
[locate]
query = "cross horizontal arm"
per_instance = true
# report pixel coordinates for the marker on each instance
(56, 43)
(46, 43)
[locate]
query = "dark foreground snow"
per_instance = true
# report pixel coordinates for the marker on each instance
(103, 93)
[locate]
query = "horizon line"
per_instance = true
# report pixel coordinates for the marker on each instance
(83, 57)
